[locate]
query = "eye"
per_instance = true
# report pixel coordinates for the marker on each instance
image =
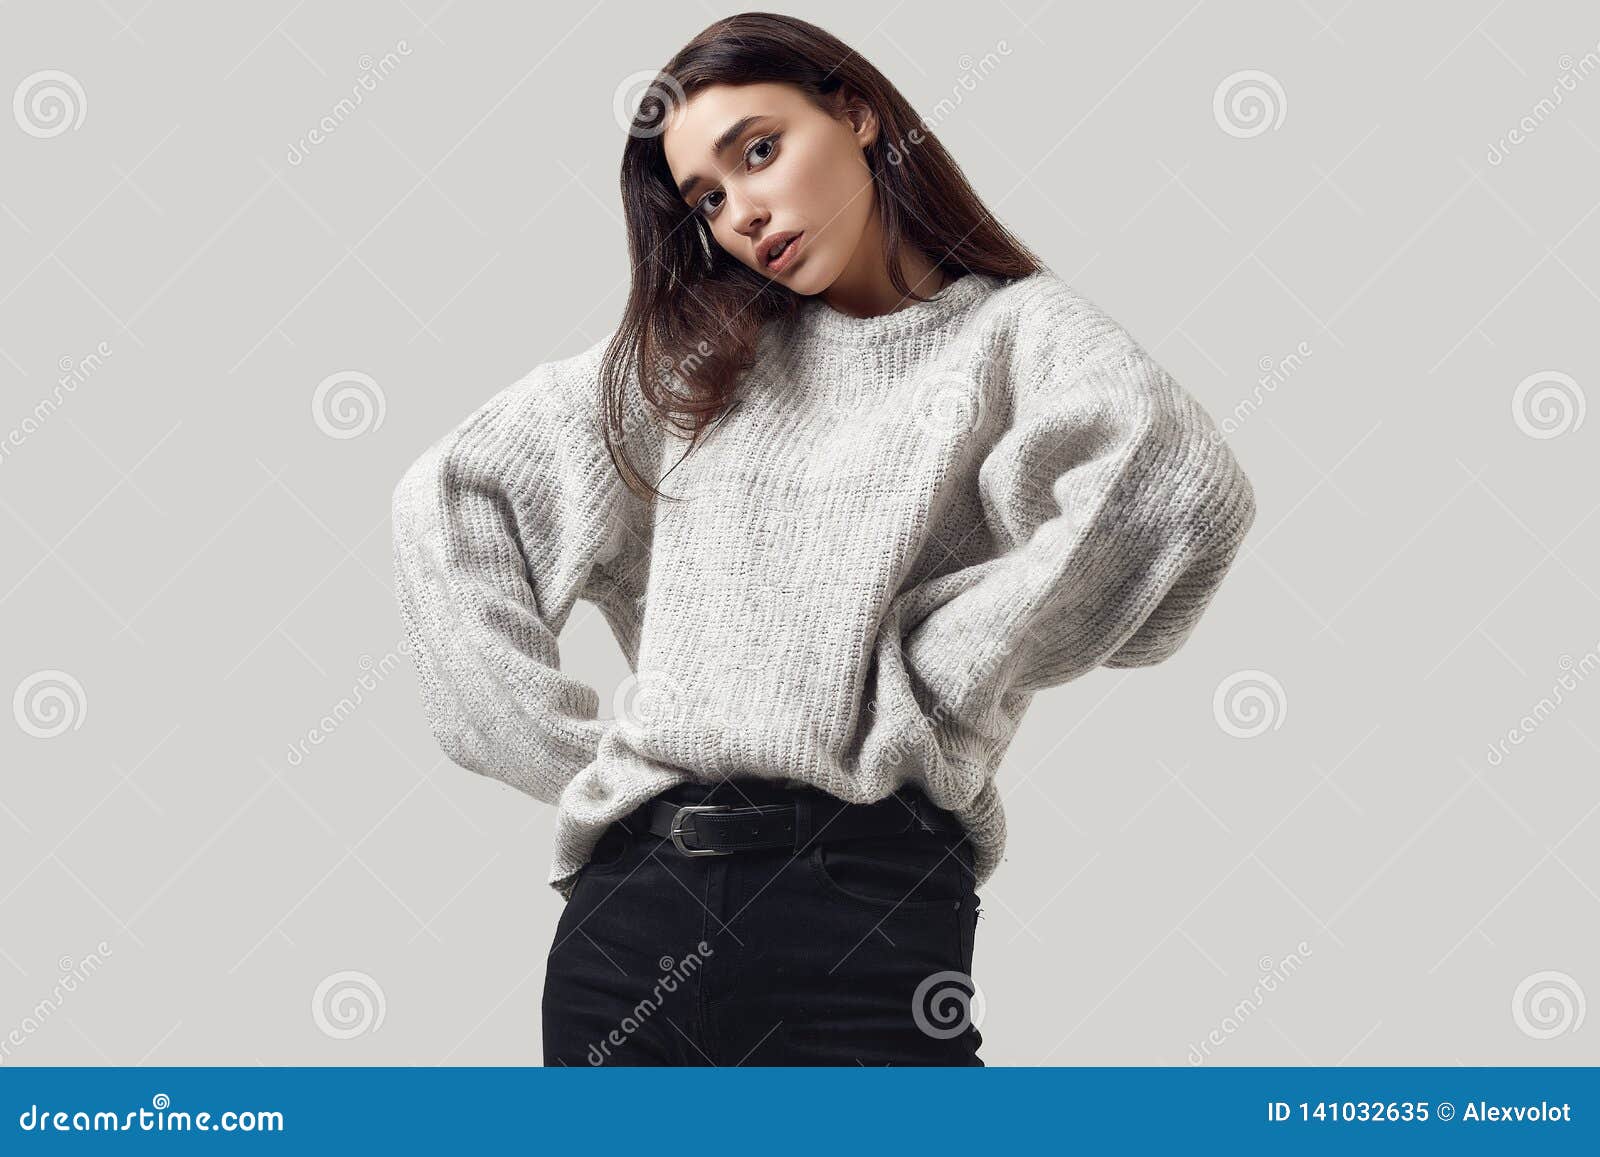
(770, 143)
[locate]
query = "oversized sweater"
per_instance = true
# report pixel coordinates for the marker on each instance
(905, 527)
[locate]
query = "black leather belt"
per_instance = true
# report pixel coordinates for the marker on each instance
(716, 829)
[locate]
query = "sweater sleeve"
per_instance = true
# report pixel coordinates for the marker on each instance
(499, 527)
(1116, 510)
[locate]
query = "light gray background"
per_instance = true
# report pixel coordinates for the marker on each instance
(186, 539)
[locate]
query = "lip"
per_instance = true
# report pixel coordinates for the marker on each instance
(787, 257)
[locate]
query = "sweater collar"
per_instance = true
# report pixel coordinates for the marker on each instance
(817, 317)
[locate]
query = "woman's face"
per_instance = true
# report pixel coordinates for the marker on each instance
(788, 168)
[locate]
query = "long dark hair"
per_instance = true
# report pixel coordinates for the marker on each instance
(694, 311)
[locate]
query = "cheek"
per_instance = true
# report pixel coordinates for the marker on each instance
(839, 197)
(722, 235)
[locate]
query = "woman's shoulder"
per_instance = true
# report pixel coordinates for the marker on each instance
(571, 387)
(1052, 324)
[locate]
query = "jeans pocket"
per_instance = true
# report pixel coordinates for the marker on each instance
(610, 850)
(914, 870)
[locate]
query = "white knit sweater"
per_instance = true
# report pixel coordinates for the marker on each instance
(907, 526)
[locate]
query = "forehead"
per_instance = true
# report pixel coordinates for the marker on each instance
(697, 124)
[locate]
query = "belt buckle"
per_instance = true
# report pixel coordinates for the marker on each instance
(678, 829)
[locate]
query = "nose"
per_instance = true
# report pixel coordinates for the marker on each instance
(748, 218)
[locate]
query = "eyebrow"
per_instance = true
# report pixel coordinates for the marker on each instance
(721, 145)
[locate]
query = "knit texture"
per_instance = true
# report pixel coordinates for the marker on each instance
(907, 526)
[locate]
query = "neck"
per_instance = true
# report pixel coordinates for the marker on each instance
(863, 289)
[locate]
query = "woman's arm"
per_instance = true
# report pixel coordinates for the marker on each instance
(1117, 513)
(499, 527)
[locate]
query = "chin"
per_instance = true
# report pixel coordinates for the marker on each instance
(806, 283)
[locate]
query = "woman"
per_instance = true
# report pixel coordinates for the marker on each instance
(914, 479)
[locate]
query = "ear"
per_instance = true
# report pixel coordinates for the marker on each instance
(861, 118)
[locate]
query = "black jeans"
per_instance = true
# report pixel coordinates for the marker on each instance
(848, 952)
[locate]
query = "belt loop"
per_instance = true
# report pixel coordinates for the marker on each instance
(802, 822)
